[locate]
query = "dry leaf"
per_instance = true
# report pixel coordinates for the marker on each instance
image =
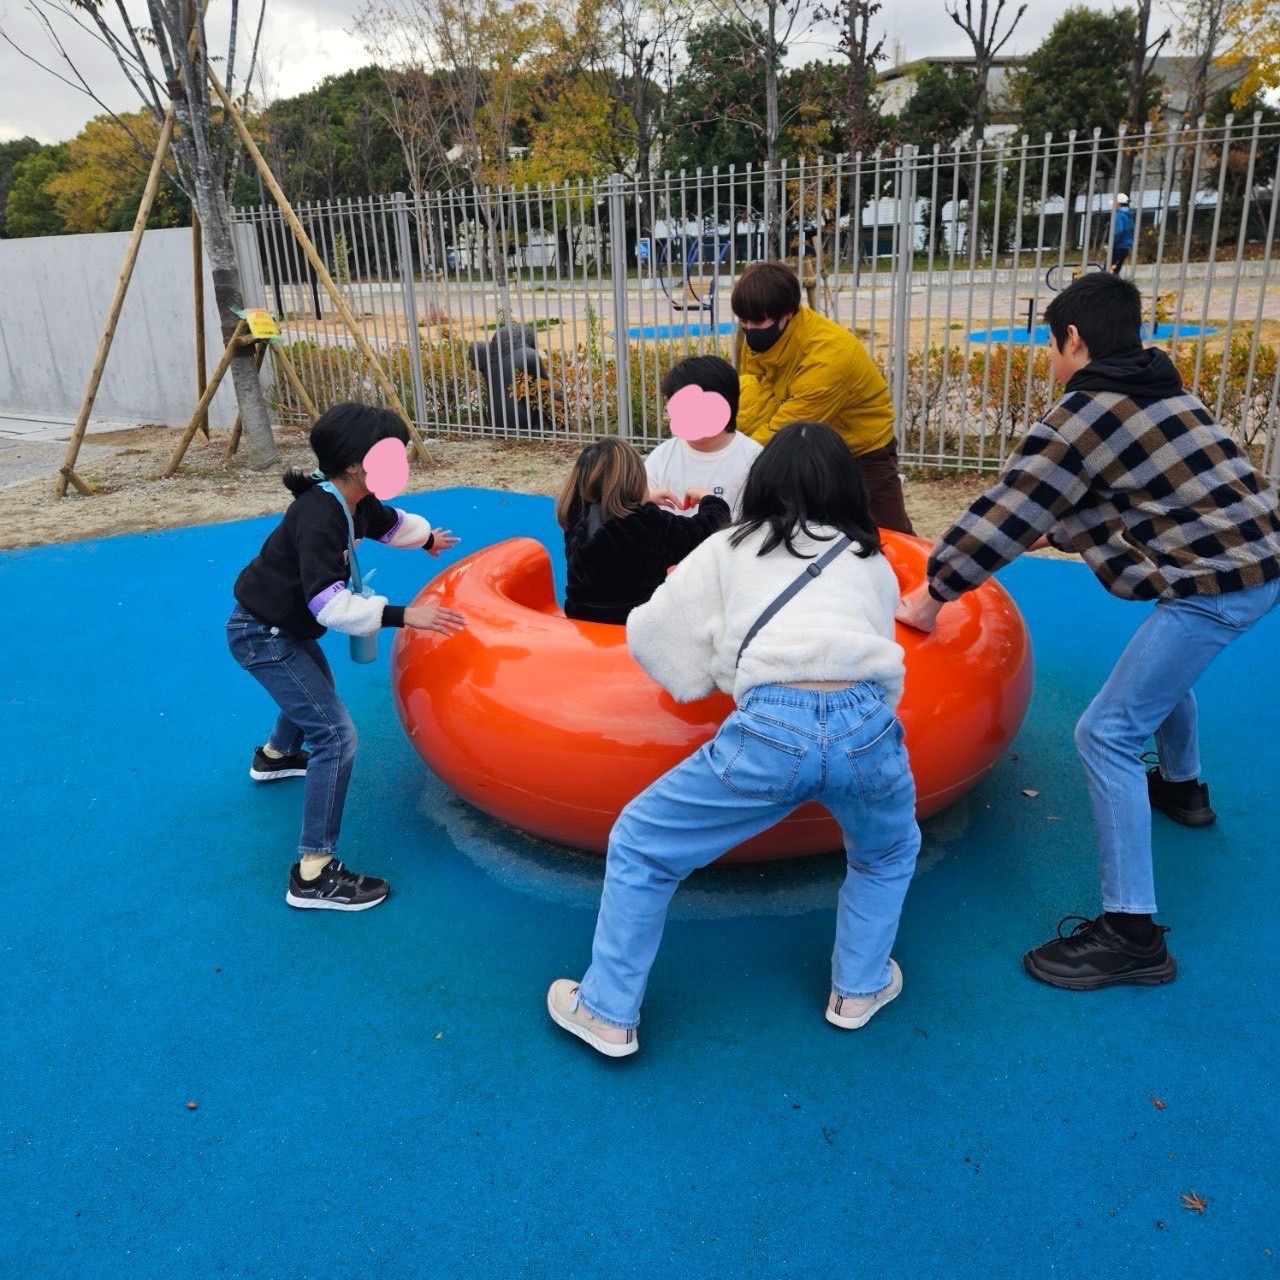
(1194, 1202)
(1155, 1102)
(1026, 791)
(191, 1106)
(439, 1034)
(1053, 817)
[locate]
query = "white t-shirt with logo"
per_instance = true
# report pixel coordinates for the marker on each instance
(677, 466)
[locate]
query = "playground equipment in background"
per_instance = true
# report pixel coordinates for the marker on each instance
(549, 724)
(696, 288)
(1061, 274)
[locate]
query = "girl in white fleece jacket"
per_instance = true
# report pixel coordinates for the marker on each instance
(816, 689)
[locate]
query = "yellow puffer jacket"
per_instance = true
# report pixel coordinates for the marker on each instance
(815, 372)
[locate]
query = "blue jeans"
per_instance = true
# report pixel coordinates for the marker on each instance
(296, 674)
(781, 747)
(1149, 692)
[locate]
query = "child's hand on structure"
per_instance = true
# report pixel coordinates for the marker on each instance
(918, 610)
(434, 617)
(441, 540)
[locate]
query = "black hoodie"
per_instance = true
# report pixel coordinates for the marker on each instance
(618, 564)
(1140, 374)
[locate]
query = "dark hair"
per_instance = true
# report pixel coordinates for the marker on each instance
(766, 291)
(806, 477)
(1105, 309)
(341, 437)
(609, 474)
(711, 373)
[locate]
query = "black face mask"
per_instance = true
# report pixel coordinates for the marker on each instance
(762, 339)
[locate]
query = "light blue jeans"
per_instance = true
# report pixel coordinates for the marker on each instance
(297, 676)
(781, 747)
(1149, 692)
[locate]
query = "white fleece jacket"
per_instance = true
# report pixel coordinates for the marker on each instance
(353, 615)
(840, 627)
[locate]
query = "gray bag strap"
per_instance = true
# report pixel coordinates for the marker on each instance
(811, 571)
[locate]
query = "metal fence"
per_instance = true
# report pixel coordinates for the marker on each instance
(610, 282)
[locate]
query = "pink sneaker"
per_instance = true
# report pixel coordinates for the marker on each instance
(852, 1012)
(563, 1006)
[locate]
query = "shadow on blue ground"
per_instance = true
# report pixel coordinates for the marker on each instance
(382, 1095)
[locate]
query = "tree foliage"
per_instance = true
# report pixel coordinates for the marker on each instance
(30, 209)
(13, 154)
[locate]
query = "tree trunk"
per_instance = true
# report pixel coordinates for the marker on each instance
(975, 178)
(772, 178)
(260, 444)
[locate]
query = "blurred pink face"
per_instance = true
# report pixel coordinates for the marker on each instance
(386, 469)
(696, 414)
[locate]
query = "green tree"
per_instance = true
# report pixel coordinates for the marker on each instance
(718, 102)
(30, 209)
(1078, 78)
(13, 154)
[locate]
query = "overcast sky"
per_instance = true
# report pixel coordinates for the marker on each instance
(306, 40)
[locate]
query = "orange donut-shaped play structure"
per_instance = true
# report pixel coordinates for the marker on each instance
(548, 724)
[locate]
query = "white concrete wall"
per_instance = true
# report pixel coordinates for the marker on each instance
(54, 295)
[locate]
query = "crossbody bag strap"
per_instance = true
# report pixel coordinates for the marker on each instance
(357, 585)
(811, 571)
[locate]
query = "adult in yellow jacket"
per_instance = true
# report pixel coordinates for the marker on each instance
(798, 366)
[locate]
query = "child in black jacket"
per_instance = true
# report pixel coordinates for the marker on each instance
(618, 545)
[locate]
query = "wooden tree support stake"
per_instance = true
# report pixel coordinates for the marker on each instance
(322, 272)
(219, 372)
(66, 473)
(197, 289)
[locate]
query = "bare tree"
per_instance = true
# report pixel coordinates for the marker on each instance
(165, 64)
(767, 26)
(1141, 63)
(984, 35)
(1202, 26)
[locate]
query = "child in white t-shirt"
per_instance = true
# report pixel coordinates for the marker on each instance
(705, 451)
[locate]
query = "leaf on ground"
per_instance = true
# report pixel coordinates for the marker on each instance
(439, 1034)
(191, 1106)
(1157, 1103)
(1194, 1202)
(1027, 791)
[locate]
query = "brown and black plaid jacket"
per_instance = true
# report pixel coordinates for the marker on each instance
(1149, 491)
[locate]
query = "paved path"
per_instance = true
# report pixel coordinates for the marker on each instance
(34, 447)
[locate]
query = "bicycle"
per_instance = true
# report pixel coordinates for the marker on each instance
(1056, 279)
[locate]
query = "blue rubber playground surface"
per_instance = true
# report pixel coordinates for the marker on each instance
(382, 1095)
(693, 329)
(1039, 336)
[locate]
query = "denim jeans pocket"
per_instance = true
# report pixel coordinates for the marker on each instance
(240, 642)
(881, 766)
(758, 767)
(1241, 609)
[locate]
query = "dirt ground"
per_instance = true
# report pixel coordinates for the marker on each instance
(130, 497)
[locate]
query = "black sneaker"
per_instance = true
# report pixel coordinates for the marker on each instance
(265, 769)
(335, 889)
(1095, 955)
(1184, 802)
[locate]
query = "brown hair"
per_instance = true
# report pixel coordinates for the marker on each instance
(766, 291)
(610, 473)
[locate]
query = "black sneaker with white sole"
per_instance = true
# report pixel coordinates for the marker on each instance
(335, 889)
(265, 768)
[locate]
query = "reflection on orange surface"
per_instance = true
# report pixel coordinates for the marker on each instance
(549, 724)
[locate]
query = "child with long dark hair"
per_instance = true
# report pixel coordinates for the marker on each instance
(816, 674)
(290, 593)
(618, 544)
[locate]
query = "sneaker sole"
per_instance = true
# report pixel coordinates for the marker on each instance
(600, 1046)
(1146, 978)
(855, 1024)
(259, 776)
(328, 904)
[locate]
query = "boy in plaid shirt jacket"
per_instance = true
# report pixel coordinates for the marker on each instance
(1129, 470)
